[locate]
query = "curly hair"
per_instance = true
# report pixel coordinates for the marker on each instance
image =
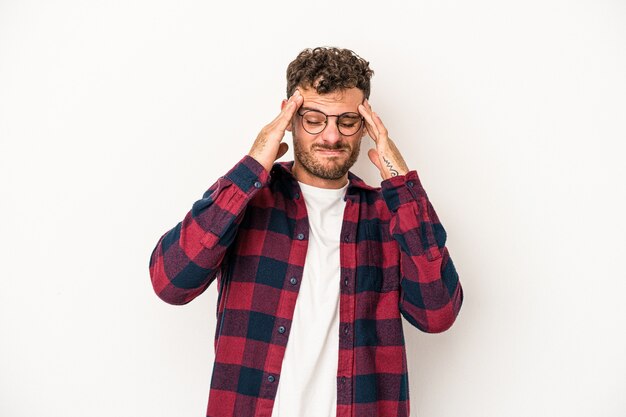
(329, 69)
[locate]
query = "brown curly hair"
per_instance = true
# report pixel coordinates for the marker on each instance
(329, 69)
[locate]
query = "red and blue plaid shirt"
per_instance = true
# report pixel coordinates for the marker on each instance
(250, 232)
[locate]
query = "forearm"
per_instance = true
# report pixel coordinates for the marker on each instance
(431, 294)
(187, 258)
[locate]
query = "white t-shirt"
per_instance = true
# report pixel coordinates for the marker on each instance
(308, 379)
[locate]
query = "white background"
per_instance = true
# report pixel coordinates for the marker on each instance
(116, 116)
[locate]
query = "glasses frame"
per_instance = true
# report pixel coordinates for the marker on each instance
(301, 114)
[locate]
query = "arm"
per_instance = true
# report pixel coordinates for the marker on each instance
(430, 291)
(187, 258)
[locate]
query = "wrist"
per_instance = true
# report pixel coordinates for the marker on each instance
(265, 164)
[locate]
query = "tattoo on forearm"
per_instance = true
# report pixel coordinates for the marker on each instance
(394, 172)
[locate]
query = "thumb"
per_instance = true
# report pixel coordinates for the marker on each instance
(282, 149)
(373, 155)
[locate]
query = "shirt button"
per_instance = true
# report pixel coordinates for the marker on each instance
(343, 379)
(300, 236)
(293, 281)
(346, 330)
(281, 329)
(297, 195)
(346, 238)
(410, 184)
(345, 282)
(271, 378)
(257, 184)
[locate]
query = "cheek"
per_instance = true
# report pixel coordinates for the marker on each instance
(356, 143)
(299, 141)
(303, 138)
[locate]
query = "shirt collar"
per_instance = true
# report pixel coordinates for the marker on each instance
(285, 168)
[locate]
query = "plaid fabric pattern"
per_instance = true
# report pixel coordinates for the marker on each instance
(250, 232)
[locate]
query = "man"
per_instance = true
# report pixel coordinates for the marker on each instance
(314, 267)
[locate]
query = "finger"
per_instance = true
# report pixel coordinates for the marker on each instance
(364, 111)
(368, 106)
(288, 109)
(296, 98)
(373, 156)
(286, 114)
(370, 125)
(380, 127)
(377, 121)
(374, 121)
(375, 125)
(370, 132)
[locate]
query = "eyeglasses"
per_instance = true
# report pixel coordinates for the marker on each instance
(314, 122)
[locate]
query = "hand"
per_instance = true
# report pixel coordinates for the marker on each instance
(386, 156)
(268, 146)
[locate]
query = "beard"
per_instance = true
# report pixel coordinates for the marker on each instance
(332, 168)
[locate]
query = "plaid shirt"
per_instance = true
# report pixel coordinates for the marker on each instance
(250, 232)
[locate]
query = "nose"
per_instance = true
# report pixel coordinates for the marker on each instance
(331, 133)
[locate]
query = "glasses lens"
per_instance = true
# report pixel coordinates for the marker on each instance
(314, 121)
(349, 123)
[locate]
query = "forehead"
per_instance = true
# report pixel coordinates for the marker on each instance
(338, 101)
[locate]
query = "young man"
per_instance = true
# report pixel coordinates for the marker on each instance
(314, 267)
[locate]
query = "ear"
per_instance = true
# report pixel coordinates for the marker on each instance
(282, 106)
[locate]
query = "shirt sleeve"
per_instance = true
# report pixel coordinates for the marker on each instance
(431, 294)
(188, 257)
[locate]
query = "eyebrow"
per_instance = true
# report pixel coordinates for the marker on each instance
(314, 109)
(310, 108)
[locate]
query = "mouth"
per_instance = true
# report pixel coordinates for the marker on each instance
(330, 152)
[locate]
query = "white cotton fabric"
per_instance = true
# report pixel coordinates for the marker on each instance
(308, 380)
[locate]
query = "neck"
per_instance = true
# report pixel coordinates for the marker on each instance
(307, 178)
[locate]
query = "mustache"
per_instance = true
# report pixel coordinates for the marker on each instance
(332, 147)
